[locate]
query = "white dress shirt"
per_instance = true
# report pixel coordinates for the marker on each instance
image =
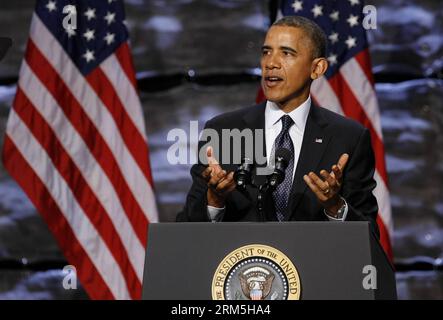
(273, 126)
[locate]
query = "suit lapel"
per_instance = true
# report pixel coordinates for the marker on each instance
(255, 120)
(315, 141)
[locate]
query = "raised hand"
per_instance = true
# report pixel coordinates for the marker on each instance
(327, 189)
(220, 183)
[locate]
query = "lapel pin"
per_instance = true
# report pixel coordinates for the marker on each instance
(318, 140)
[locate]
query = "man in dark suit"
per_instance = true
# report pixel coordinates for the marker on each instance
(330, 173)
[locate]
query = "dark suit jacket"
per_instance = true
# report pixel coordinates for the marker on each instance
(338, 135)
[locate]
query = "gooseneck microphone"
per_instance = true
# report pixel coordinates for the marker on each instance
(242, 175)
(282, 158)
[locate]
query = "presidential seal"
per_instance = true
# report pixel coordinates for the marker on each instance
(256, 272)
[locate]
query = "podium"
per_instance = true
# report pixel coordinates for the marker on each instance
(270, 260)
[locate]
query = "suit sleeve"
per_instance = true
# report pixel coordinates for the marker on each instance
(358, 183)
(196, 206)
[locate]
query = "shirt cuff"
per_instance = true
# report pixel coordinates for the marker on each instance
(215, 214)
(343, 217)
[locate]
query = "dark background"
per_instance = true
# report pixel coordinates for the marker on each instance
(195, 59)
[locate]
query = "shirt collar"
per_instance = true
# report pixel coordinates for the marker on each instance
(299, 115)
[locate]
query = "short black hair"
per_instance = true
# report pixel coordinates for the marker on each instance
(311, 29)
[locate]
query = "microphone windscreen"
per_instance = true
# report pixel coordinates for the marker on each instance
(283, 153)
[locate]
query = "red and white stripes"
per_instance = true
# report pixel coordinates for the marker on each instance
(351, 92)
(77, 146)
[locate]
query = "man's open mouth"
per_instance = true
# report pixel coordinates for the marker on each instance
(272, 81)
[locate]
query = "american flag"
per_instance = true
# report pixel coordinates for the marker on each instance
(348, 86)
(76, 143)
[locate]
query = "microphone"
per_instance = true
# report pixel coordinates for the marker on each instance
(242, 175)
(282, 158)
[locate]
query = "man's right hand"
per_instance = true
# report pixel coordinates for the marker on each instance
(220, 183)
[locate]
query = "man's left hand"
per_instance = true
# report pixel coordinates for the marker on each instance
(327, 189)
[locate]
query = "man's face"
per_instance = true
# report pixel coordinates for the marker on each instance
(286, 64)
